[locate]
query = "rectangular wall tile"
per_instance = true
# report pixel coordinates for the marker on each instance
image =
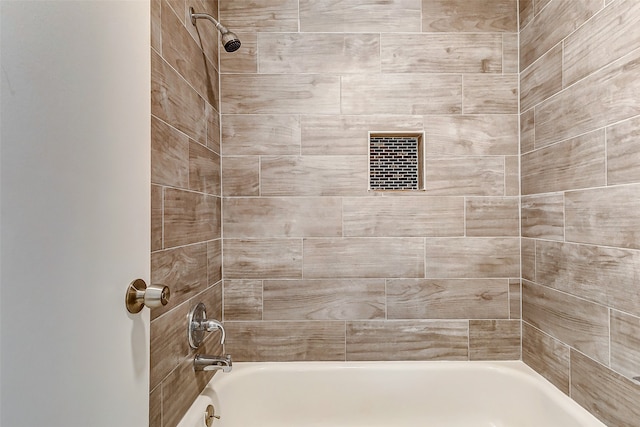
(403, 216)
(204, 169)
(407, 340)
(571, 164)
(168, 345)
(364, 257)
(183, 270)
(241, 176)
(542, 79)
(286, 341)
(447, 299)
(360, 16)
(314, 176)
(494, 340)
(357, 299)
(243, 60)
(469, 16)
(242, 300)
(527, 131)
(526, 12)
(512, 175)
(548, 356)
(515, 299)
(318, 53)
(260, 15)
(623, 151)
(625, 344)
(169, 155)
(214, 261)
(155, 396)
(490, 94)
(262, 258)
(465, 176)
(156, 217)
(510, 53)
(492, 216)
(606, 216)
(282, 217)
(401, 94)
(608, 36)
(543, 216)
(349, 135)
(609, 396)
(180, 389)
(190, 217)
(476, 257)
(258, 134)
(600, 274)
(280, 94)
(471, 135)
(441, 53)
(528, 248)
(572, 112)
(552, 25)
(213, 128)
(577, 322)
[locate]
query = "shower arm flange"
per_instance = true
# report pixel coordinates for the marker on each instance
(195, 16)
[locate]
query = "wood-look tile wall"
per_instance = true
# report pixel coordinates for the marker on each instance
(185, 198)
(580, 128)
(316, 267)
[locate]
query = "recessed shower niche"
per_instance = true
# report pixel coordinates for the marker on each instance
(396, 161)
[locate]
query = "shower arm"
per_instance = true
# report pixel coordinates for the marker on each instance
(195, 16)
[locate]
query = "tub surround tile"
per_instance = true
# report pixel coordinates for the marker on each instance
(401, 94)
(610, 35)
(441, 53)
(492, 216)
(515, 299)
(260, 15)
(548, 356)
(262, 258)
(528, 248)
(494, 339)
(540, 4)
(465, 176)
(214, 261)
(204, 169)
(156, 217)
(447, 299)
(577, 322)
(169, 155)
(168, 344)
(313, 176)
(411, 216)
(490, 94)
(604, 216)
(280, 94)
(477, 257)
(407, 340)
(243, 60)
(183, 270)
(190, 217)
(625, 343)
(283, 341)
(213, 128)
(527, 131)
(510, 53)
(512, 175)
(551, 25)
(576, 163)
(242, 300)
(471, 135)
(318, 53)
(357, 299)
(156, 27)
(155, 398)
(526, 12)
(260, 134)
(609, 396)
(241, 176)
(360, 16)
(348, 134)
(623, 151)
(363, 257)
(568, 113)
(282, 217)
(542, 79)
(470, 16)
(604, 275)
(543, 216)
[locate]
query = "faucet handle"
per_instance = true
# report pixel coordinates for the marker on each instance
(211, 325)
(198, 324)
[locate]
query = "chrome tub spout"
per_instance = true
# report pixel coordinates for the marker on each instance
(204, 362)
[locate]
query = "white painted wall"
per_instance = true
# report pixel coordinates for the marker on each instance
(75, 212)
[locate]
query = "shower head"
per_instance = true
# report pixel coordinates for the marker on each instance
(230, 40)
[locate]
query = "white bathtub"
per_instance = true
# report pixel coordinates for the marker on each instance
(389, 394)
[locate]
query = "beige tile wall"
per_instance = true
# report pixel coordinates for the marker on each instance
(185, 199)
(580, 122)
(316, 267)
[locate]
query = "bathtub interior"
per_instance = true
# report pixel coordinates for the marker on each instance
(400, 394)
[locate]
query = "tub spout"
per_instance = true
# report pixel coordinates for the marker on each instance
(204, 362)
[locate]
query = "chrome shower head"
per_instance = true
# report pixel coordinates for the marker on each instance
(230, 41)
